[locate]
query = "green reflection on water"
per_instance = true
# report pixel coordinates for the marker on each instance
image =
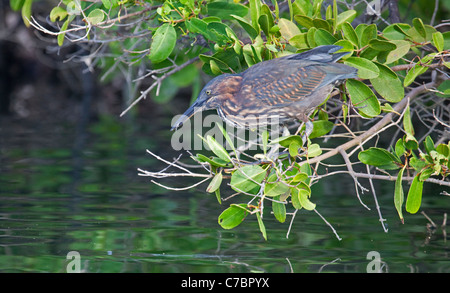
(55, 199)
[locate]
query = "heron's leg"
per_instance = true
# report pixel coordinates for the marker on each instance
(308, 130)
(274, 150)
(308, 127)
(286, 131)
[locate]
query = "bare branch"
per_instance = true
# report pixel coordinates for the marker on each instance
(158, 81)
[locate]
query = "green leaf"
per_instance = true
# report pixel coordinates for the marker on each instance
(335, 15)
(291, 10)
(402, 49)
(74, 8)
(429, 144)
(279, 209)
(438, 41)
(425, 174)
(324, 37)
(96, 16)
(304, 200)
(380, 158)
(224, 10)
(369, 33)
(414, 199)
(218, 33)
(350, 34)
(420, 28)
(314, 150)
(247, 178)
(299, 41)
(227, 137)
(413, 73)
(263, 22)
(225, 60)
(386, 72)
(363, 98)
(265, 10)
(407, 122)
(302, 7)
(400, 147)
(347, 46)
(163, 43)
(366, 68)
(410, 141)
(214, 161)
(320, 23)
(217, 148)
(299, 197)
(16, 4)
(381, 45)
(274, 187)
(293, 148)
(304, 21)
(262, 228)
(329, 13)
(288, 29)
(265, 140)
(388, 85)
(233, 216)
(285, 141)
(402, 28)
(255, 12)
(444, 89)
(217, 192)
(300, 177)
(198, 26)
(446, 36)
(215, 183)
(246, 26)
(398, 193)
(58, 13)
(359, 32)
(26, 12)
(106, 4)
(317, 5)
(443, 150)
(295, 198)
(310, 37)
(417, 164)
(346, 16)
(321, 127)
(61, 36)
(392, 33)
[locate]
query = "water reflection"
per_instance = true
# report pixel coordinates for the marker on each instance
(55, 200)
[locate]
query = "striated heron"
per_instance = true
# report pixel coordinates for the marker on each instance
(274, 91)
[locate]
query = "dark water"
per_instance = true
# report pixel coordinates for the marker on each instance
(64, 189)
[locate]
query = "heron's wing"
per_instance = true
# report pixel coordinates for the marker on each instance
(283, 85)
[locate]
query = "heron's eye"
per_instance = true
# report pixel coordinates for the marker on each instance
(208, 92)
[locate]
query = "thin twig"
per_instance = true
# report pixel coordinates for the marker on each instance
(290, 224)
(179, 188)
(377, 206)
(329, 225)
(357, 184)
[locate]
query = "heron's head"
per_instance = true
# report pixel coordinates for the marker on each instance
(211, 96)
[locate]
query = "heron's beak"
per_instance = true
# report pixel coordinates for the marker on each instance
(191, 111)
